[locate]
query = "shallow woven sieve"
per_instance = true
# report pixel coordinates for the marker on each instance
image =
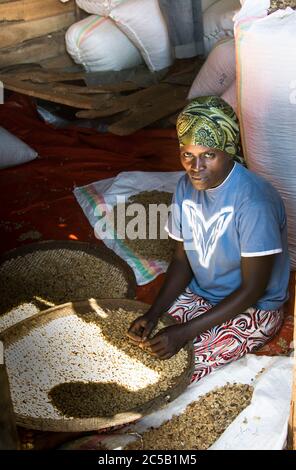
(41, 275)
(82, 349)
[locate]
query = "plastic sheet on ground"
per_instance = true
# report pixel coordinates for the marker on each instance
(260, 426)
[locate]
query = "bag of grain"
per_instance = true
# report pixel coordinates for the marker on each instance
(144, 24)
(96, 43)
(98, 7)
(230, 96)
(217, 73)
(218, 22)
(14, 151)
(266, 74)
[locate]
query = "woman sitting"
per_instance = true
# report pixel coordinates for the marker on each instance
(228, 280)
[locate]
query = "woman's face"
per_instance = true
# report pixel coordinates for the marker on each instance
(206, 167)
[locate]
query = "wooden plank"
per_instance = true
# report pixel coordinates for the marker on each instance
(47, 92)
(18, 68)
(140, 117)
(185, 79)
(98, 90)
(16, 33)
(118, 88)
(27, 10)
(61, 61)
(292, 420)
(82, 90)
(44, 76)
(185, 75)
(140, 99)
(181, 66)
(34, 51)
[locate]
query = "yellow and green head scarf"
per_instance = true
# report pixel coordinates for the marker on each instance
(211, 122)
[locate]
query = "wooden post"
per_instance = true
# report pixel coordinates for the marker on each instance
(292, 420)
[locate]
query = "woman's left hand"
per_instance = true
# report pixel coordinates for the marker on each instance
(167, 342)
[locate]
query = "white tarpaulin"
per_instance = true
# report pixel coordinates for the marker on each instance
(260, 426)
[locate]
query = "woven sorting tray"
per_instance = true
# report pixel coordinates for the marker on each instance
(41, 275)
(60, 348)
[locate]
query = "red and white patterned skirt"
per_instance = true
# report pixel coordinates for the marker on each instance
(245, 333)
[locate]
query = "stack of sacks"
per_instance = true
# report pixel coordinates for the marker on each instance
(230, 96)
(217, 75)
(126, 33)
(218, 21)
(266, 74)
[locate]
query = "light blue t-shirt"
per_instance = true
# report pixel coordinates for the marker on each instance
(243, 217)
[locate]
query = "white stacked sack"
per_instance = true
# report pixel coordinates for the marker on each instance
(218, 21)
(266, 74)
(98, 7)
(126, 33)
(14, 151)
(98, 45)
(217, 73)
(230, 96)
(143, 23)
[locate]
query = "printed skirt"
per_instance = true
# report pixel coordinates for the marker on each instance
(245, 333)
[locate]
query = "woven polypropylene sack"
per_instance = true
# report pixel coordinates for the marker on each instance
(14, 151)
(96, 43)
(230, 96)
(266, 71)
(217, 73)
(98, 7)
(218, 22)
(144, 24)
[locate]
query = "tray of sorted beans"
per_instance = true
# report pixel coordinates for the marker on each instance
(209, 417)
(73, 368)
(150, 248)
(41, 275)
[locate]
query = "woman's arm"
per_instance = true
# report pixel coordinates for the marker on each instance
(256, 273)
(178, 276)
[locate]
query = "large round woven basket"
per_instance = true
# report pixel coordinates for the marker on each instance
(12, 337)
(41, 275)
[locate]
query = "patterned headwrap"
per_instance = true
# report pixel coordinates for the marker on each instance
(211, 122)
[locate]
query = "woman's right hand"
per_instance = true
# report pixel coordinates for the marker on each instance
(142, 327)
(178, 277)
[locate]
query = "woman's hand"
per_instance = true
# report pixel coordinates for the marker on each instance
(178, 277)
(142, 327)
(167, 342)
